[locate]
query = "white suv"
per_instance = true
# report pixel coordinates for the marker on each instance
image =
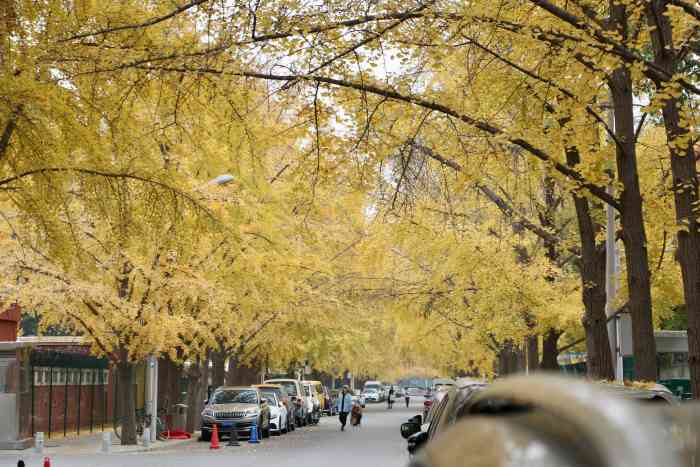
(296, 392)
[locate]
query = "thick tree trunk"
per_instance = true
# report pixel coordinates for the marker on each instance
(592, 271)
(218, 360)
(685, 185)
(533, 353)
(632, 217)
(550, 351)
(198, 377)
(507, 359)
(599, 361)
(126, 373)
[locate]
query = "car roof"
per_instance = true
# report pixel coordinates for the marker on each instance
(282, 380)
(229, 388)
(267, 386)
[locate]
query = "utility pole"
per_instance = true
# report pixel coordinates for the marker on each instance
(612, 266)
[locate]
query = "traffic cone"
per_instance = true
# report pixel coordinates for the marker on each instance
(254, 433)
(47, 462)
(214, 438)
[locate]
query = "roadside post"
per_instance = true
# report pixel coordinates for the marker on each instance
(39, 442)
(106, 442)
(146, 437)
(233, 438)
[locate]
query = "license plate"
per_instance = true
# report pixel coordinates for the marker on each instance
(227, 425)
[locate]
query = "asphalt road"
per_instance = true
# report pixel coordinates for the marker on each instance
(376, 444)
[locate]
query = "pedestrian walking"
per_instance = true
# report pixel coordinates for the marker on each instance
(407, 396)
(390, 400)
(344, 406)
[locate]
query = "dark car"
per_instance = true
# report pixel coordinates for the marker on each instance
(547, 420)
(444, 411)
(236, 408)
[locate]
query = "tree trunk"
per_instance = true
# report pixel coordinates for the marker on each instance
(533, 353)
(218, 360)
(685, 185)
(506, 359)
(550, 351)
(198, 377)
(592, 271)
(126, 372)
(632, 217)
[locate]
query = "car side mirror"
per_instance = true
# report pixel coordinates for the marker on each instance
(417, 419)
(409, 429)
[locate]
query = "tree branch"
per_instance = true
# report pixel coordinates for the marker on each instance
(486, 127)
(145, 24)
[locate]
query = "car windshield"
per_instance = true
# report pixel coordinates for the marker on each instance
(371, 390)
(235, 396)
(289, 387)
(271, 398)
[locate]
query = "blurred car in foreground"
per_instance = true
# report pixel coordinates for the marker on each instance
(558, 422)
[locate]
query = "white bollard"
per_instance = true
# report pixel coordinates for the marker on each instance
(146, 438)
(39, 442)
(106, 442)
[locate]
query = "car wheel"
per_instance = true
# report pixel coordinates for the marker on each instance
(205, 436)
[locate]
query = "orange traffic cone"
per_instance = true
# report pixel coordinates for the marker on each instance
(47, 462)
(214, 439)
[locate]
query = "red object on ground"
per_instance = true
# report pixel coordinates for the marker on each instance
(47, 462)
(214, 438)
(176, 434)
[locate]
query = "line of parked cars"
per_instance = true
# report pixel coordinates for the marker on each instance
(275, 407)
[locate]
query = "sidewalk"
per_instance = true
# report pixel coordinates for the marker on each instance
(92, 444)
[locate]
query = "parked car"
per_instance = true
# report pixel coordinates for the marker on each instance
(442, 384)
(554, 421)
(456, 404)
(313, 406)
(279, 421)
(236, 408)
(285, 400)
(320, 394)
(295, 391)
(376, 385)
(329, 407)
(444, 410)
(371, 395)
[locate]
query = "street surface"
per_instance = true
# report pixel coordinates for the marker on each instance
(377, 443)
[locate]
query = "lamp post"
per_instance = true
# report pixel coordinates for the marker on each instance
(152, 361)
